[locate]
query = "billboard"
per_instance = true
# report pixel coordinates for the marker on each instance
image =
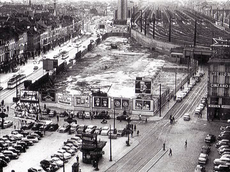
(48, 64)
(64, 99)
(29, 96)
(142, 86)
(81, 101)
(143, 105)
(103, 102)
(48, 96)
(120, 103)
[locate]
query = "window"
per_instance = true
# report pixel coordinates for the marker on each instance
(227, 80)
(215, 68)
(226, 92)
(214, 79)
(214, 91)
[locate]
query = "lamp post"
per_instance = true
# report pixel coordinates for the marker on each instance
(175, 84)
(110, 141)
(160, 101)
(128, 131)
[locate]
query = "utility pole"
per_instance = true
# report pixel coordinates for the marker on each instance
(145, 23)
(194, 40)
(110, 141)
(154, 22)
(170, 25)
(160, 102)
(141, 21)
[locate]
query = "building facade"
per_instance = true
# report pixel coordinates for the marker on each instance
(219, 82)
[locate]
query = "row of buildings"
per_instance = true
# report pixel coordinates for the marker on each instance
(26, 34)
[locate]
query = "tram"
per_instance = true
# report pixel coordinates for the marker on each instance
(15, 80)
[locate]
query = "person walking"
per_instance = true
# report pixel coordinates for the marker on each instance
(185, 144)
(170, 152)
(163, 146)
(57, 118)
(137, 132)
(135, 127)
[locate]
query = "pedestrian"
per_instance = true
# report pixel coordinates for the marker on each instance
(170, 152)
(146, 120)
(135, 127)
(137, 132)
(140, 117)
(57, 118)
(8, 108)
(131, 133)
(185, 144)
(163, 146)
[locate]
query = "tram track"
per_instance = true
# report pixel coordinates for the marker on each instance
(156, 134)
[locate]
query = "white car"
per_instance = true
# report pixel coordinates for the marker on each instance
(202, 160)
(105, 131)
(34, 139)
(186, 117)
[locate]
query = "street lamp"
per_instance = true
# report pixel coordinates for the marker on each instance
(110, 141)
(160, 101)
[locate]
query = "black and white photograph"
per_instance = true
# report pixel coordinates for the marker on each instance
(115, 85)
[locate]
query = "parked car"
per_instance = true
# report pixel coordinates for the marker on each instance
(90, 129)
(87, 115)
(227, 128)
(98, 130)
(6, 158)
(3, 163)
(35, 67)
(81, 128)
(221, 168)
(105, 131)
(224, 150)
(27, 125)
(36, 126)
(205, 149)
(7, 123)
(102, 115)
(123, 117)
(64, 128)
(34, 139)
(35, 169)
(1, 88)
(186, 117)
(210, 138)
(10, 154)
(202, 160)
(199, 168)
(74, 127)
(53, 127)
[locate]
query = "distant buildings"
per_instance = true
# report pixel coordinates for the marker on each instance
(123, 11)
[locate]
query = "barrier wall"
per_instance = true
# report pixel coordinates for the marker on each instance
(151, 43)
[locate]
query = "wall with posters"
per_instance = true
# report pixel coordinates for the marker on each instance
(81, 101)
(29, 96)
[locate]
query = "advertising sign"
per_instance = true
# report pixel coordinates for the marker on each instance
(64, 98)
(101, 102)
(143, 105)
(48, 96)
(48, 64)
(120, 103)
(29, 96)
(81, 101)
(142, 86)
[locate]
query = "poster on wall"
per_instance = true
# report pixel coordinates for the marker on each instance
(143, 105)
(64, 98)
(81, 101)
(142, 86)
(117, 103)
(48, 96)
(120, 103)
(101, 102)
(29, 96)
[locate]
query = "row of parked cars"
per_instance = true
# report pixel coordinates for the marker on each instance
(205, 151)
(60, 157)
(223, 147)
(201, 106)
(15, 143)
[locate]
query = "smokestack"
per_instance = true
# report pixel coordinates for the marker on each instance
(55, 8)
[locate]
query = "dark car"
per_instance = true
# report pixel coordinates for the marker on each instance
(1, 88)
(123, 117)
(210, 138)
(64, 114)
(36, 126)
(6, 158)
(102, 115)
(48, 165)
(53, 127)
(19, 147)
(39, 133)
(3, 163)
(27, 126)
(10, 154)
